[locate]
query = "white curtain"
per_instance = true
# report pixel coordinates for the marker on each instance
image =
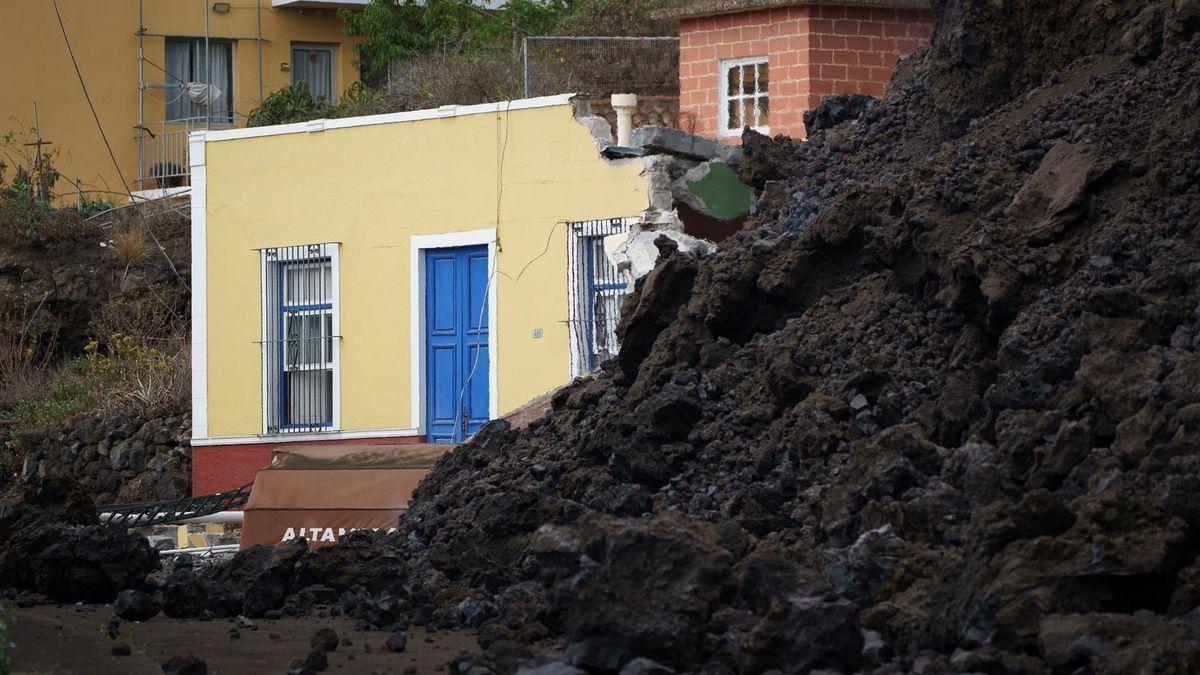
(314, 67)
(220, 56)
(179, 69)
(185, 68)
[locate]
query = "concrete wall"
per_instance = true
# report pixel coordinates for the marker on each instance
(524, 172)
(37, 68)
(812, 50)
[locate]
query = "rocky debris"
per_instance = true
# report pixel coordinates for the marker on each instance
(53, 546)
(637, 255)
(114, 459)
(135, 605)
(397, 642)
(325, 639)
(835, 110)
(682, 144)
(185, 665)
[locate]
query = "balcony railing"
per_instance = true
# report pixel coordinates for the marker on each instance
(163, 153)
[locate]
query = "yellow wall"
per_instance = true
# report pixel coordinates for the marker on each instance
(36, 68)
(371, 188)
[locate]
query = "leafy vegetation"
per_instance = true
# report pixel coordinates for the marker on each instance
(27, 211)
(138, 358)
(407, 29)
(297, 103)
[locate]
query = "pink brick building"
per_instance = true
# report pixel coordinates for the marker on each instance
(763, 63)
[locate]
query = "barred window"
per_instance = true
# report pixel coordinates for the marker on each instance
(300, 341)
(596, 291)
(744, 98)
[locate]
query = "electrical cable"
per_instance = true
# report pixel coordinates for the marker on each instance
(492, 275)
(86, 95)
(116, 165)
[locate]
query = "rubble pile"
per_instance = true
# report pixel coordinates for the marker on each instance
(55, 550)
(935, 409)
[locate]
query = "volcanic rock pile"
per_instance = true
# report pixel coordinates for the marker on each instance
(55, 549)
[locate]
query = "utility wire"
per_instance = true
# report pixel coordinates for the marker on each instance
(104, 136)
(491, 276)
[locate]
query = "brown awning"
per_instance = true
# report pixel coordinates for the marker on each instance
(321, 492)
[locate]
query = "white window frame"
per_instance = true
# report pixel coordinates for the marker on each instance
(724, 98)
(266, 267)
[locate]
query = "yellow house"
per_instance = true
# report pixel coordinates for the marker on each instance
(396, 278)
(155, 70)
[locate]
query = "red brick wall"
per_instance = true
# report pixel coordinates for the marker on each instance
(812, 51)
(219, 468)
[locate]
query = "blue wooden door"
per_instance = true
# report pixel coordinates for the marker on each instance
(457, 368)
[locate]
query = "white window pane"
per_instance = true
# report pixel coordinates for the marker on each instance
(308, 284)
(310, 397)
(747, 79)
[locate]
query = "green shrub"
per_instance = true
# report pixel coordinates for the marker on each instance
(297, 104)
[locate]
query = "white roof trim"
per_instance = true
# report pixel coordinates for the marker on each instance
(387, 118)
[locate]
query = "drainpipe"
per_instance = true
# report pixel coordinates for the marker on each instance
(258, 35)
(625, 105)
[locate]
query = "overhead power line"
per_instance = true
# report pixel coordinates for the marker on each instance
(86, 95)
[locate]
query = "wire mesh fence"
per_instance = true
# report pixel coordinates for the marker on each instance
(600, 66)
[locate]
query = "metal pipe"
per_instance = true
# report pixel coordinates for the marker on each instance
(525, 57)
(258, 36)
(207, 71)
(201, 550)
(141, 148)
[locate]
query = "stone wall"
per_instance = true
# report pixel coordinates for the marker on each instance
(117, 459)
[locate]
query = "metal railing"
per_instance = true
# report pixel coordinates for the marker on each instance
(596, 291)
(144, 514)
(163, 152)
(300, 341)
(600, 65)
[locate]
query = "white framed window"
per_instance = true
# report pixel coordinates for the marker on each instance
(301, 339)
(744, 100)
(596, 291)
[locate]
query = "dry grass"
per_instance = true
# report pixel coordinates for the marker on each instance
(25, 367)
(131, 245)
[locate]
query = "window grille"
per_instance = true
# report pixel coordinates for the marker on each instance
(744, 98)
(300, 340)
(596, 290)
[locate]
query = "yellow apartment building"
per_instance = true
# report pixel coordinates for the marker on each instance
(156, 70)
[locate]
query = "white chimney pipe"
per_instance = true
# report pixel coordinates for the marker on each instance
(625, 105)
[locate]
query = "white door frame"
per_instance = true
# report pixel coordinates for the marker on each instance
(419, 243)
